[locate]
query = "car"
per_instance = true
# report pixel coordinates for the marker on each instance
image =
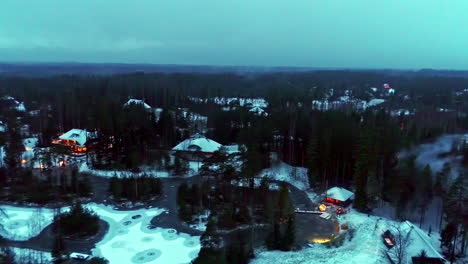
(388, 239)
(340, 210)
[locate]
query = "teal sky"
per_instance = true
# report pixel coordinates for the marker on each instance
(317, 33)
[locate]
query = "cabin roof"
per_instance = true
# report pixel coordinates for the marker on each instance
(137, 101)
(204, 144)
(340, 194)
(78, 135)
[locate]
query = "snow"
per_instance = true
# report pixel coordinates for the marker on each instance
(23, 223)
(198, 143)
(2, 156)
(20, 107)
(374, 102)
(139, 102)
(230, 149)
(281, 171)
(365, 247)
(227, 101)
(2, 127)
(201, 221)
(419, 240)
(29, 145)
(122, 173)
(31, 256)
(258, 111)
(131, 239)
(429, 154)
(340, 194)
(399, 112)
(78, 135)
(374, 89)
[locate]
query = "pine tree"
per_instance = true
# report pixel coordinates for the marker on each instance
(289, 236)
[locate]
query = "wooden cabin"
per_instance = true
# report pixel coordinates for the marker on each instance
(76, 139)
(339, 196)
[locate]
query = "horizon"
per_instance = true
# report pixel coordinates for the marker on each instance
(359, 34)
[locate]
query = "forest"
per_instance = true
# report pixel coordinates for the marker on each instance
(354, 149)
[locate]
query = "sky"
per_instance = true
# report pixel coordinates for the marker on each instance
(406, 34)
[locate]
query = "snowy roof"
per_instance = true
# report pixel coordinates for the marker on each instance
(139, 102)
(198, 143)
(78, 135)
(232, 148)
(374, 102)
(340, 194)
(419, 241)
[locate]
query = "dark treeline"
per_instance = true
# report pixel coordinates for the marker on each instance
(340, 147)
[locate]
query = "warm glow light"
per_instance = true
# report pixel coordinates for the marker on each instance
(321, 240)
(322, 208)
(62, 162)
(24, 161)
(27, 148)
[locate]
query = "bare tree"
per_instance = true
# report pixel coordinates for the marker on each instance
(398, 253)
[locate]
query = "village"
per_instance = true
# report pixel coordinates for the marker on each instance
(324, 219)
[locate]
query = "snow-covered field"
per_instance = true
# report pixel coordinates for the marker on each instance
(281, 171)
(30, 256)
(23, 223)
(130, 238)
(365, 247)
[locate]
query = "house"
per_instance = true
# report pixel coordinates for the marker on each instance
(137, 102)
(419, 241)
(77, 139)
(258, 111)
(339, 196)
(197, 146)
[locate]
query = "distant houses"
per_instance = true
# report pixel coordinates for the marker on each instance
(77, 140)
(138, 102)
(339, 196)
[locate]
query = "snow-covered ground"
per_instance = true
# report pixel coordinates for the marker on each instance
(281, 171)
(2, 156)
(23, 223)
(429, 154)
(365, 247)
(30, 256)
(111, 173)
(148, 171)
(130, 238)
